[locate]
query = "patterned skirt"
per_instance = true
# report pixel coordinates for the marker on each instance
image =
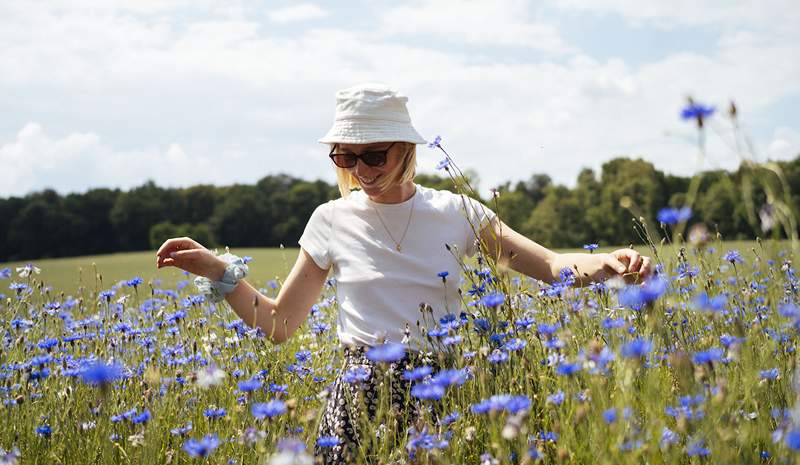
(348, 427)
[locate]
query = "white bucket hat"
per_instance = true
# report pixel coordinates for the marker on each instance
(368, 113)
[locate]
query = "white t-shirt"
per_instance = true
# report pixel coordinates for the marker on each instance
(379, 289)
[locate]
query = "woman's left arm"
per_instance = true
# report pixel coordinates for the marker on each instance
(521, 254)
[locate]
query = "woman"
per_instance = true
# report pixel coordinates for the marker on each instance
(389, 244)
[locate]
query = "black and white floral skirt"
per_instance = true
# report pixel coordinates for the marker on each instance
(348, 429)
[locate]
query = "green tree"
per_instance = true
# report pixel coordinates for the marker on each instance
(138, 209)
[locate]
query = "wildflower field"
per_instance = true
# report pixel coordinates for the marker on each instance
(696, 365)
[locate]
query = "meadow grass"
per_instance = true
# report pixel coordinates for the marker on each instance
(694, 367)
(103, 271)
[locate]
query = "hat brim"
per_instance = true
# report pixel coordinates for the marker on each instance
(366, 131)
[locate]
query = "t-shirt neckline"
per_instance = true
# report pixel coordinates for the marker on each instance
(391, 205)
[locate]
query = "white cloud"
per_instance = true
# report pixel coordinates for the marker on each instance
(296, 13)
(775, 15)
(34, 160)
(501, 22)
(222, 99)
(785, 144)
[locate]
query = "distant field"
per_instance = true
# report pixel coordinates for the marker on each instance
(67, 274)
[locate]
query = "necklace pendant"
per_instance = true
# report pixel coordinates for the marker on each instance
(397, 247)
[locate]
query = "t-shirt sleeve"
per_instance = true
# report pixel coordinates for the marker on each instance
(316, 237)
(478, 216)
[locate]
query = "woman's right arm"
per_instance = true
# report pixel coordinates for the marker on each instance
(280, 317)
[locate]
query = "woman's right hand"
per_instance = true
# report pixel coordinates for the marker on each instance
(189, 255)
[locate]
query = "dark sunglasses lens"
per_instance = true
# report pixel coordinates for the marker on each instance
(344, 160)
(374, 158)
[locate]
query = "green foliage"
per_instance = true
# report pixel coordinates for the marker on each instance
(274, 211)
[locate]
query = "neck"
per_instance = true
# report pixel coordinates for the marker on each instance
(395, 194)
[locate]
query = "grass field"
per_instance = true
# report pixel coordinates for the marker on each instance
(97, 272)
(696, 366)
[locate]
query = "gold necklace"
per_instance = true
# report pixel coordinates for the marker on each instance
(396, 243)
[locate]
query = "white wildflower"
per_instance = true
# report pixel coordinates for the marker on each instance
(209, 376)
(25, 271)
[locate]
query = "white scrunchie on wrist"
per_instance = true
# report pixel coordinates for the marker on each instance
(215, 291)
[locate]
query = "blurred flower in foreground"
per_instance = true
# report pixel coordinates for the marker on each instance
(203, 447)
(99, 373)
(209, 376)
(697, 112)
(291, 451)
(387, 353)
(673, 216)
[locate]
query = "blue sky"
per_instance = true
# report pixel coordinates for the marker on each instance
(182, 92)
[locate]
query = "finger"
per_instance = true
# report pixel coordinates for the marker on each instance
(635, 261)
(613, 263)
(184, 255)
(167, 262)
(176, 243)
(167, 246)
(646, 268)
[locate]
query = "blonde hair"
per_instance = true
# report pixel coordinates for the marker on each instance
(403, 172)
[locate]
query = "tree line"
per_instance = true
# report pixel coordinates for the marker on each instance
(272, 212)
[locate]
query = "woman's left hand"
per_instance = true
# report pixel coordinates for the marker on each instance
(636, 267)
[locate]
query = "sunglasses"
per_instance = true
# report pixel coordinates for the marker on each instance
(349, 160)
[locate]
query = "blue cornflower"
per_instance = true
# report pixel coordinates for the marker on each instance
(668, 437)
(507, 402)
(446, 378)
(789, 310)
(268, 410)
(707, 356)
(497, 356)
(793, 439)
(143, 417)
(98, 373)
(249, 385)
(435, 143)
(697, 448)
(44, 430)
(418, 373)
(733, 256)
(713, 304)
(515, 344)
(696, 111)
(590, 247)
(107, 295)
(444, 164)
(47, 343)
(427, 391)
(182, 430)
(203, 447)
(610, 416)
(673, 216)
(356, 374)
(493, 300)
(726, 340)
(328, 441)
(443, 275)
(546, 329)
(387, 353)
(134, 282)
(568, 369)
(636, 296)
(636, 348)
(557, 398)
(302, 356)
(215, 412)
(5, 273)
(769, 374)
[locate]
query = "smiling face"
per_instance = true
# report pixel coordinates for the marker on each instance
(378, 180)
(366, 175)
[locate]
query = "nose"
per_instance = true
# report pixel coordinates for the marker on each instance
(362, 169)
